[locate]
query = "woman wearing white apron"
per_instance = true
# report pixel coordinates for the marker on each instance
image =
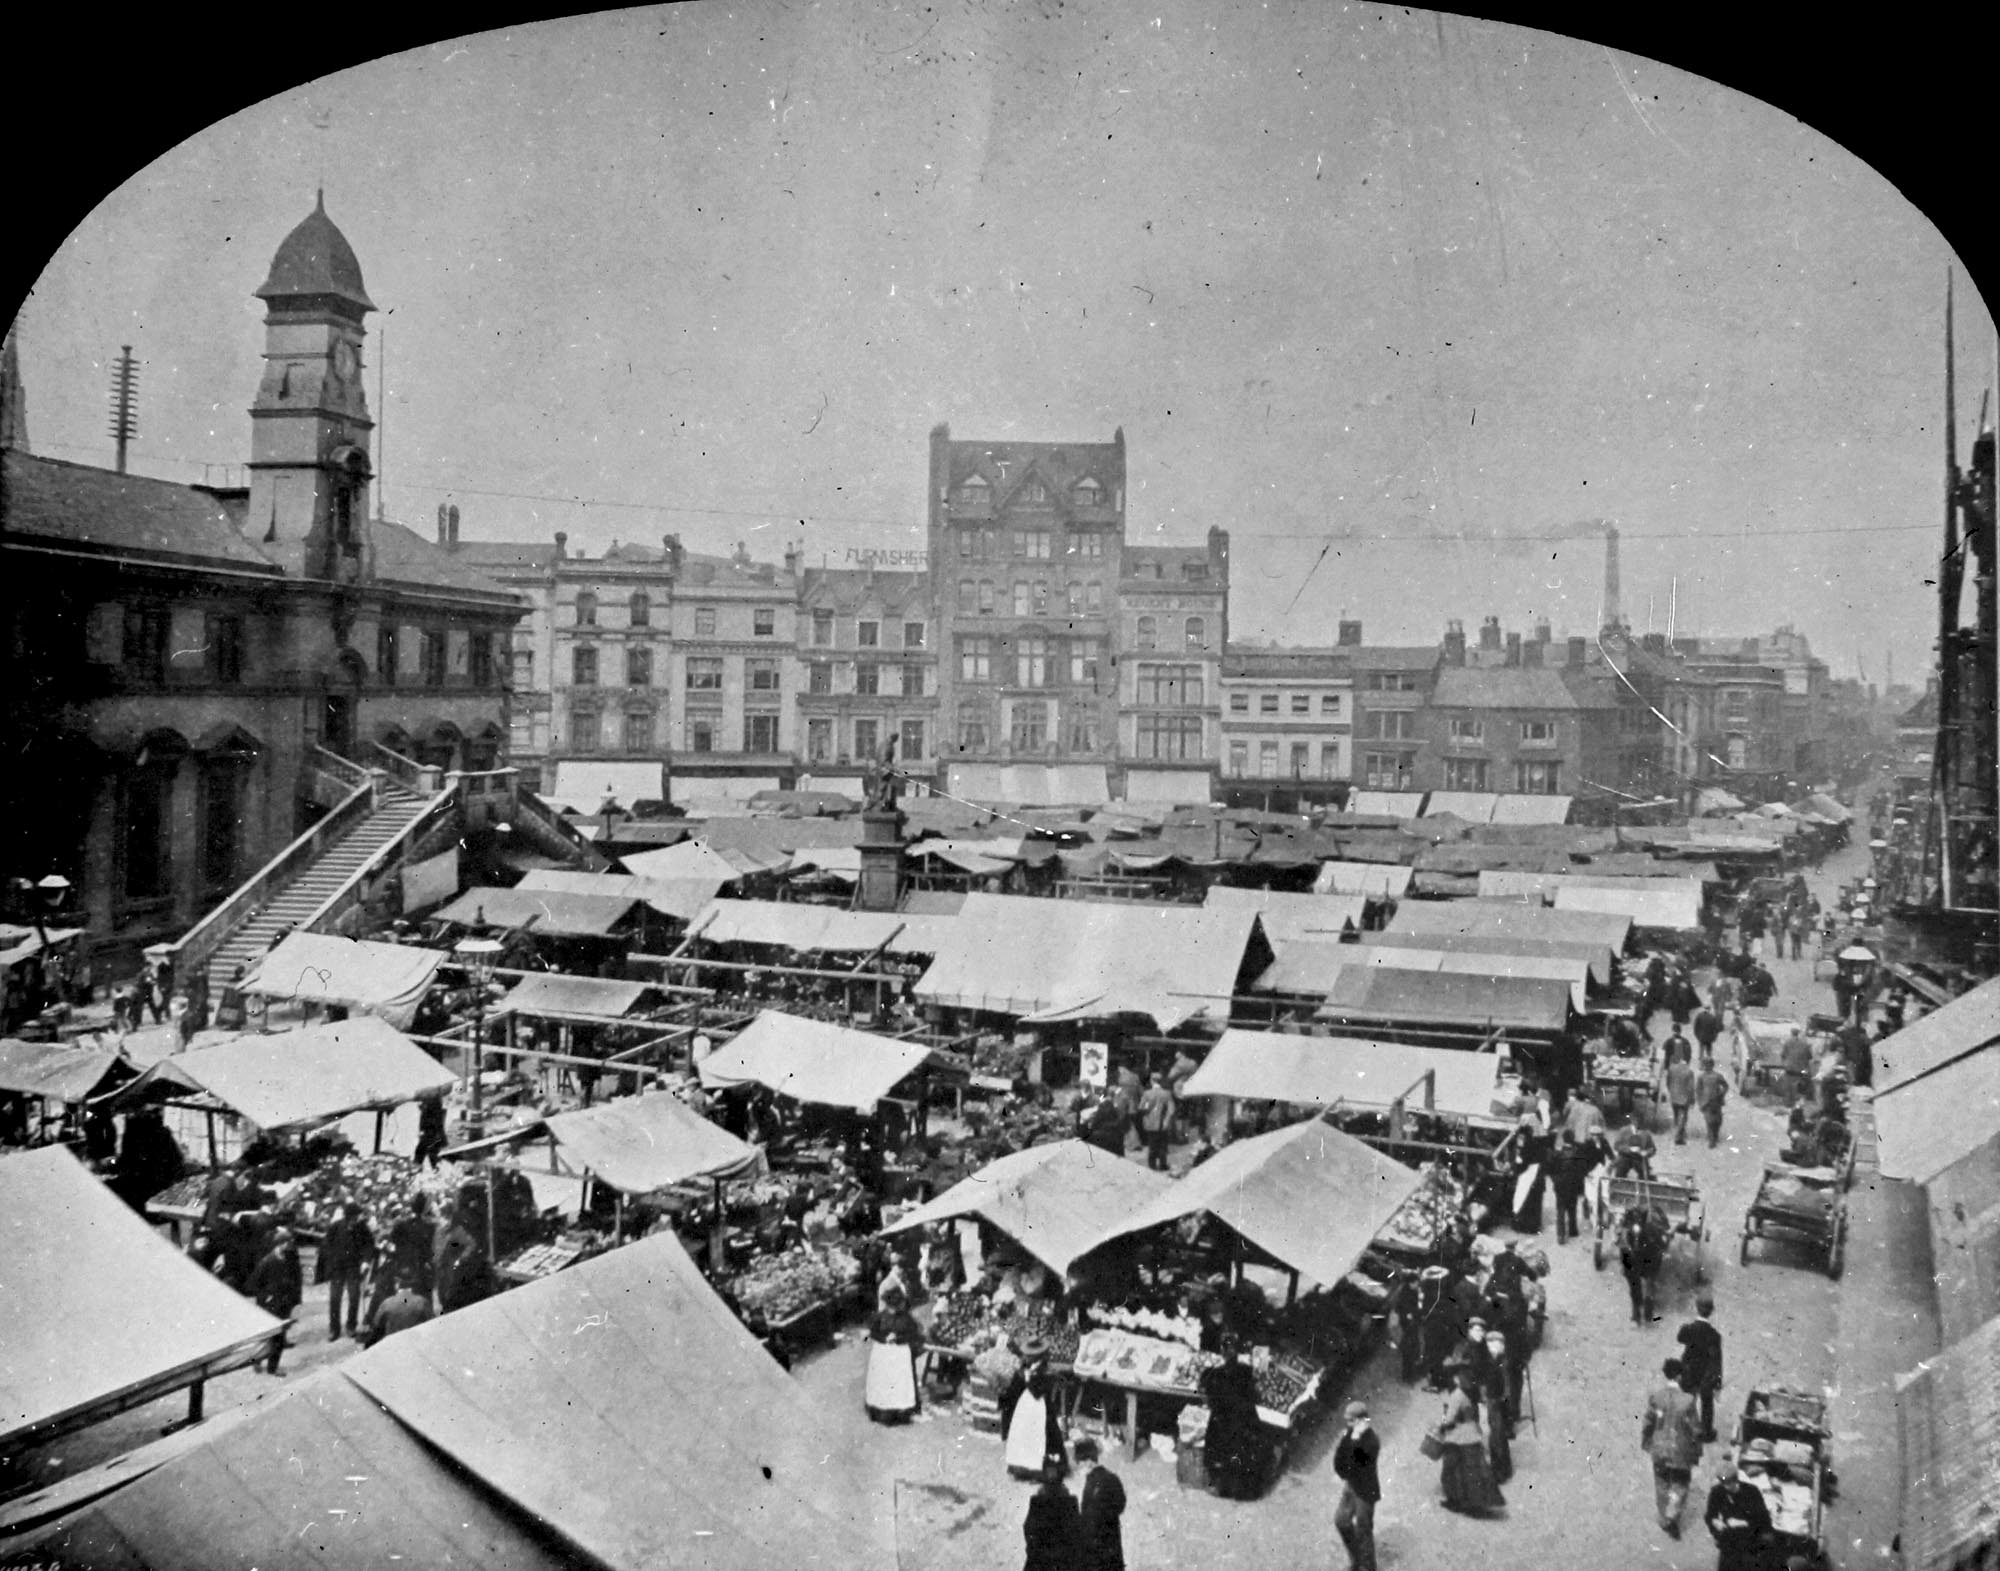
(890, 1394)
(1028, 1421)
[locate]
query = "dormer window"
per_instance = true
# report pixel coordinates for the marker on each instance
(1035, 493)
(973, 492)
(1086, 492)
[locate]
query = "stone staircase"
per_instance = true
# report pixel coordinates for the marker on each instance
(396, 809)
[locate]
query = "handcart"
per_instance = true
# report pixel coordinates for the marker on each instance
(1626, 1077)
(1757, 1050)
(1784, 1448)
(1674, 1196)
(1803, 1205)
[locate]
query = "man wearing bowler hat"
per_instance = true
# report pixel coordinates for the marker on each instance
(1354, 1465)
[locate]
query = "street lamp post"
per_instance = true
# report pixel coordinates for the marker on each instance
(478, 955)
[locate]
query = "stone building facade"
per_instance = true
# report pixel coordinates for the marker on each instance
(867, 664)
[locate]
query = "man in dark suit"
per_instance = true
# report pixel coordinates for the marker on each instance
(1102, 1507)
(1051, 1530)
(347, 1250)
(1701, 1361)
(1354, 1464)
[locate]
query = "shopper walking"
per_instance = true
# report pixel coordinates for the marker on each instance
(1355, 1465)
(1052, 1530)
(344, 1254)
(1701, 1361)
(1671, 1436)
(1641, 1252)
(1466, 1476)
(1711, 1091)
(277, 1285)
(1100, 1512)
(1156, 1122)
(1678, 1082)
(1569, 1173)
(1707, 1027)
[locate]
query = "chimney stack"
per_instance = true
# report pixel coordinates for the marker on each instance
(1543, 632)
(1577, 646)
(672, 553)
(794, 559)
(1513, 649)
(1531, 653)
(451, 520)
(1489, 634)
(1454, 643)
(741, 555)
(562, 545)
(444, 524)
(1350, 634)
(1614, 612)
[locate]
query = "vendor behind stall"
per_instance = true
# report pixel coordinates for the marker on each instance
(1236, 1449)
(1028, 1422)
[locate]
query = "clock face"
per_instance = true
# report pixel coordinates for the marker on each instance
(345, 360)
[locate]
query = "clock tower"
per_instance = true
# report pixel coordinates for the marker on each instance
(309, 428)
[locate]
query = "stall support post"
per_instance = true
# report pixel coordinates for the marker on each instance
(213, 1161)
(618, 1217)
(717, 1237)
(492, 1253)
(379, 1116)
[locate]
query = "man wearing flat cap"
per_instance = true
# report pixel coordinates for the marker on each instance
(1738, 1519)
(1360, 1487)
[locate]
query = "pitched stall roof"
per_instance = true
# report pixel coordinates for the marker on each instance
(1288, 917)
(1513, 808)
(1950, 1411)
(813, 1061)
(1050, 1199)
(97, 1305)
(781, 924)
(59, 1072)
(1568, 969)
(554, 994)
(1511, 919)
(1386, 995)
(1345, 1071)
(680, 898)
(1310, 1196)
(692, 859)
(1598, 957)
(1386, 804)
(389, 980)
(552, 911)
(1473, 807)
(1015, 955)
(1652, 903)
(300, 1077)
(1374, 880)
(642, 1143)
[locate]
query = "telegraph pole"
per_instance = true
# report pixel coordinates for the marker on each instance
(124, 407)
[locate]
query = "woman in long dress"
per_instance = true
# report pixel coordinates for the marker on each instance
(1466, 1475)
(1235, 1448)
(1028, 1422)
(1499, 1412)
(894, 1336)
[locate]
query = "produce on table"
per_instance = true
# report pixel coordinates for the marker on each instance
(1426, 1216)
(779, 1287)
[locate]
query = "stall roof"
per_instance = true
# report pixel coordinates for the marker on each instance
(643, 1143)
(1597, 956)
(299, 1077)
(97, 1305)
(1015, 955)
(813, 1061)
(790, 925)
(978, 857)
(842, 862)
(224, 1492)
(1827, 807)
(1511, 919)
(1386, 804)
(1517, 809)
(1652, 902)
(1052, 1200)
(1469, 858)
(17, 943)
(675, 897)
(60, 1072)
(1966, 1024)
(932, 902)
(1349, 1071)
(1032, 785)
(552, 993)
(1484, 1002)
(693, 859)
(771, 840)
(1309, 1195)
(552, 911)
(1927, 1122)
(1571, 969)
(1965, 1240)
(1375, 880)
(584, 784)
(389, 980)
(1474, 807)
(1289, 916)
(621, 1403)
(1950, 1408)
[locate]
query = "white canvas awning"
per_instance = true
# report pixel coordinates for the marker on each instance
(388, 980)
(813, 1061)
(582, 785)
(1346, 1071)
(1376, 880)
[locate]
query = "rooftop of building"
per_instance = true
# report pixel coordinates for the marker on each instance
(1298, 663)
(851, 588)
(125, 515)
(1006, 466)
(1393, 657)
(315, 259)
(1520, 687)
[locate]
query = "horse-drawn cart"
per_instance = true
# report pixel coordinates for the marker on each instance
(1804, 1205)
(1673, 1198)
(1621, 1077)
(1785, 1450)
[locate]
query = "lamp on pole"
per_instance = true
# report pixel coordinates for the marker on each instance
(478, 955)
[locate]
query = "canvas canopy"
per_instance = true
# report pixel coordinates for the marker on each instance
(1014, 955)
(675, 897)
(693, 859)
(551, 994)
(19, 943)
(812, 1061)
(1448, 962)
(1928, 1121)
(1293, 916)
(1513, 808)
(582, 785)
(1051, 1200)
(1652, 903)
(842, 862)
(1598, 957)
(1345, 1071)
(1472, 807)
(1310, 1196)
(1032, 785)
(1950, 1412)
(830, 929)
(1470, 1002)
(984, 858)
(1376, 880)
(642, 1143)
(553, 911)
(1966, 1024)
(388, 980)
(300, 1077)
(1385, 804)
(1511, 919)
(59, 1072)
(101, 1311)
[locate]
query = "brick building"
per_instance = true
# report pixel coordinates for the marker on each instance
(868, 671)
(1173, 624)
(1288, 715)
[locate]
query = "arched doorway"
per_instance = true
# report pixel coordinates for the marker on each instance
(341, 702)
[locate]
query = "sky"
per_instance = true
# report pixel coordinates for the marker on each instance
(1409, 303)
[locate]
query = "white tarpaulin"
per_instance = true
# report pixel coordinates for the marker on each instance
(583, 785)
(388, 980)
(1167, 785)
(1385, 804)
(1474, 807)
(1660, 903)
(1376, 880)
(1346, 1071)
(1031, 785)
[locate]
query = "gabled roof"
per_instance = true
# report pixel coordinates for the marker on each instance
(1061, 464)
(402, 556)
(132, 515)
(1517, 687)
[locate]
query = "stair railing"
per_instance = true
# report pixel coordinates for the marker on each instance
(342, 900)
(536, 820)
(423, 779)
(197, 946)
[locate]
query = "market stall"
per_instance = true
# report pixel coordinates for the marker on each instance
(43, 1085)
(386, 980)
(578, 932)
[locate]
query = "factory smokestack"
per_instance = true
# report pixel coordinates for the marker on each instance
(1614, 613)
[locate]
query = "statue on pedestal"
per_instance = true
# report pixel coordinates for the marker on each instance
(884, 784)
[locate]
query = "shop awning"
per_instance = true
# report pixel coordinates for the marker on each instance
(781, 924)
(1386, 996)
(813, 1061)
(1472, 807)
(1950, 1410)
(693, 859)
(675, 897)
(1925, 1124)
(551, 994)
(1511, 919)
(980, 857)
(1310, 1196)
(388, 980)
(1651, 902)
(554, 912)
(60, 1072)
(297, 1077)
(1963, 1026)
(1288, 917)
(1345, 1071)
(1015, 955)
(317, 1464)
(100, 1310)
(583, 785)
(1597, 957)
(642, 1143)
(1052, 1200)
(1511, 808)
(1376, 880)
(1385, 804)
